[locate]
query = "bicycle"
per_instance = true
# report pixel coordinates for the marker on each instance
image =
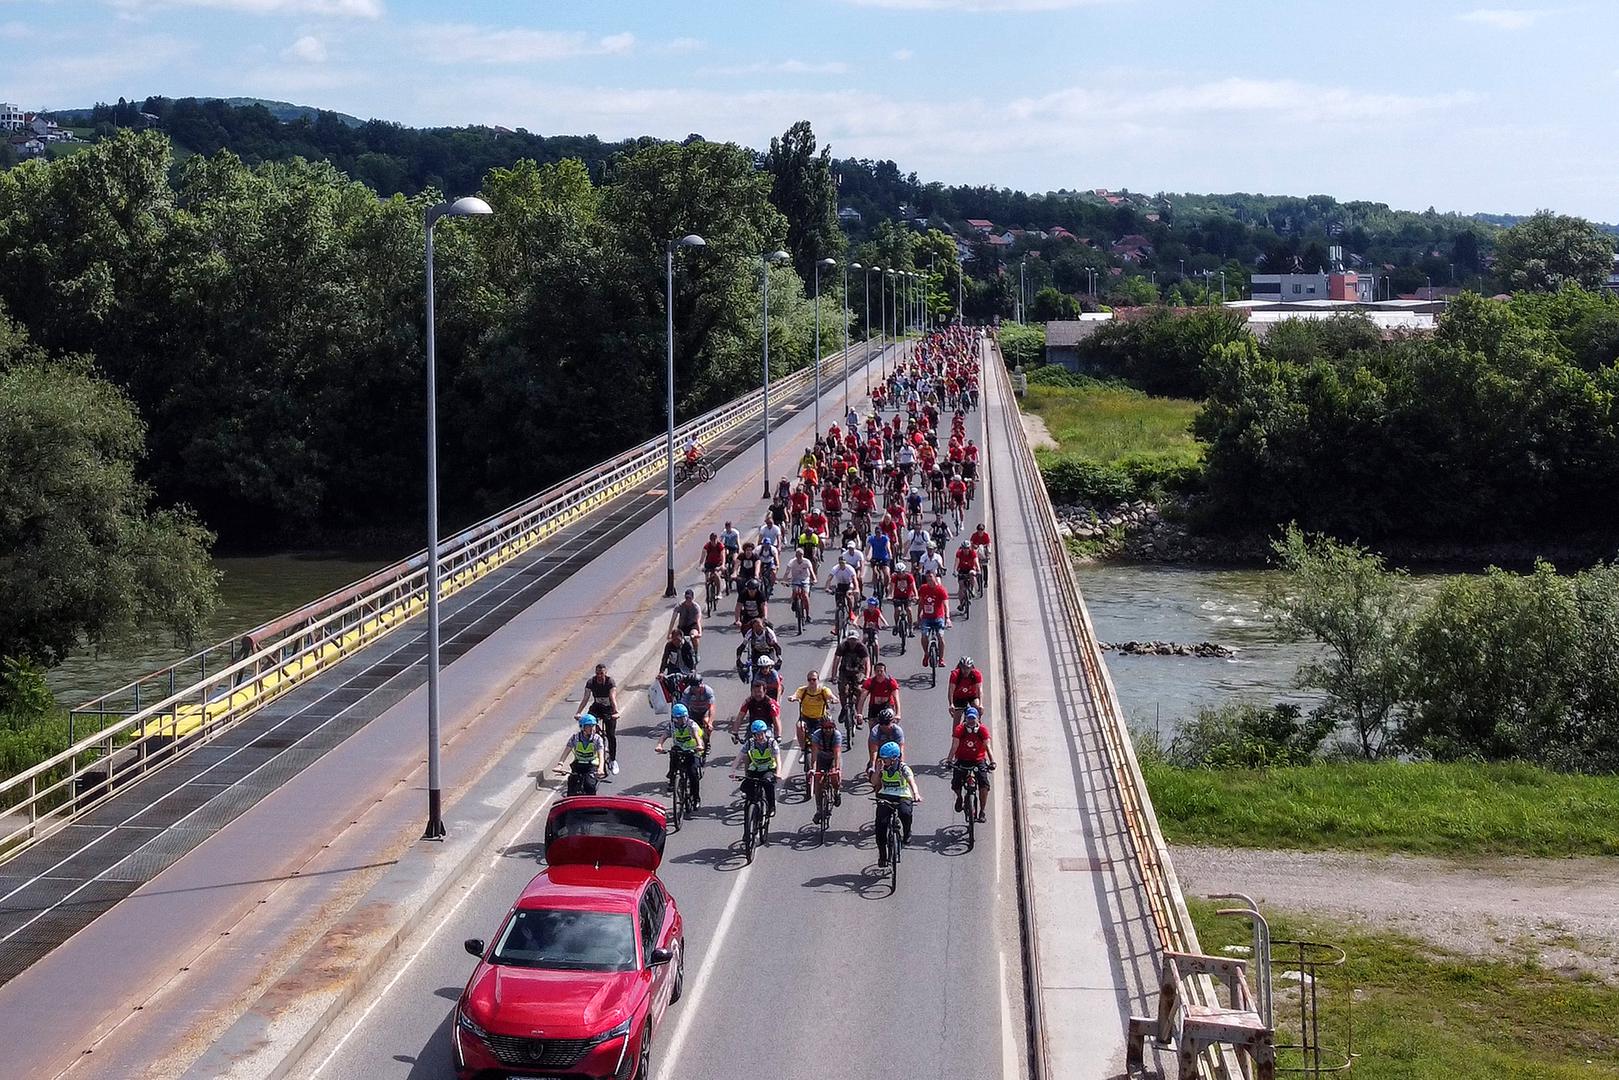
(711, 591)
(932, 647)
(889, 842)
(801, 605)
(730, 569)
(902, 626)
(870, 632)
(767, 577)
(681, 802)
(848, 698)
(823, 802)
(840, 611)
(582, 779)
(700, 471)
(971, 808)
(966, 579)
(755, 819)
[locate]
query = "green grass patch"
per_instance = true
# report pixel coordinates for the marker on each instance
(1431, 809)
(1423, 1013)
(1109, 423)
(1114, 443)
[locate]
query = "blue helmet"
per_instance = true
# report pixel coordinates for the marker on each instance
(970, 714)
(889, 751)
(587, 720)
(872, 601)
(677, 711)
(758, 727)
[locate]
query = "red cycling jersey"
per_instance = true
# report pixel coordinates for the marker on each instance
(932, 601)
(966, 559)
(958, 487)
(980, 539)
(713, 554)
(815, 522)
(865, 499)
(965, 687)
(971, 746)
(800, 501)
(871, 616)
(882, 690)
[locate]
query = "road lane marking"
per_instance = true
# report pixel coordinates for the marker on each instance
(1009, 1062)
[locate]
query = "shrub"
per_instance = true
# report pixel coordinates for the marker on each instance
(1080, 480)
(1248, 736)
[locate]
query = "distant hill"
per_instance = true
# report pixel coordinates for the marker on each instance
(284, 111)
(1506, 221)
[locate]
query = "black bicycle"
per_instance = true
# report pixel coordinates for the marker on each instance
(700, 471)
(823, 802)
(890, 842)
(801, 605)
(681, 801)
(967, 580)
(755, 818)
(972, 809)
(582, 779)
(711, 592)
(902, 626)
(848, 698)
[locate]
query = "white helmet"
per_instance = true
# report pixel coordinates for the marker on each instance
(766, 662)
(900, 568)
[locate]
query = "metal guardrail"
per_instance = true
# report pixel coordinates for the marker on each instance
(156, 718)
(1166, 904)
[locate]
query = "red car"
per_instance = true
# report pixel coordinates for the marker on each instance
(587, 961)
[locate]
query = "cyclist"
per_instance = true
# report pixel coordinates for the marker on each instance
(679, 656)
(586, 754)
(601, 701)
(933, 609)
(714, 558)
(698, 698)
(732, 540)
(882, 557)
(896, 792)
(759, 642)
(969, 755)
(766, 675)
(958, 495)
(688, 751)
(800, 576)
(693, 450)
(747, 562)
(871, 621)
(855, 557)
(769, 533)
(814, 703)
(931, 561)
(841, 581)
(967, 567)
(884, 729)
(784, 489)
(854, 665)
(687, 617)
(878, 692)
(980, 542)
(966, 687)
(917, 542)
(751, 602)
(902, 589)
(760, 760)
(758, 707)
(799, 504)
(767, 566)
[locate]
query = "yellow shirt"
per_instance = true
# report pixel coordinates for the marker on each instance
(813, 703)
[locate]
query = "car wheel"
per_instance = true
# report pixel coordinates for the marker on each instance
(643, 1057)
(680, 974)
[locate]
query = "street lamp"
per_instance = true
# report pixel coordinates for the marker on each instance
(844, 311)
(469, 206)
(882, 321)
(865, 344)
(689, 240)
(828, 264)
(1020, 309)
(764, 281)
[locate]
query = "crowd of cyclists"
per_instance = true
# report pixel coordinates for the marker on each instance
(877, 502)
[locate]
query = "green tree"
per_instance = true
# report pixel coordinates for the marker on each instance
(802, 188)
(1546, 251)
(1345, 598)
(87, 559)
(1049, 304)
(1494, 665)
(1133, 291)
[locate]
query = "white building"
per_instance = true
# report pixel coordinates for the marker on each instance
(12, 117)
(1292, 288)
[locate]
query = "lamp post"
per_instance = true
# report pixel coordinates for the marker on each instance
(865, 344)
(1020, 309)
(844, 311)
(828, 263)
(764, 282)
(689, 240)
(882, 304)
(464, 207)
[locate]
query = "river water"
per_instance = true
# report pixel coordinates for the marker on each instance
(1184, 604)
(252, 591)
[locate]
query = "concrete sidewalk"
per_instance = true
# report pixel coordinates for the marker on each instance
(1097, 949)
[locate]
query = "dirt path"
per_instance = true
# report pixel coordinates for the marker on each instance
(1565, 912)
(1035, 430)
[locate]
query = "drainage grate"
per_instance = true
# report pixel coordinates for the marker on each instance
(157, 854)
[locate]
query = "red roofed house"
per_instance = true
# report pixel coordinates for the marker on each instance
(981, 226)
(1132, 248)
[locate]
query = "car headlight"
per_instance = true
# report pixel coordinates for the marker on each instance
(467, 1024)
(616, 1033)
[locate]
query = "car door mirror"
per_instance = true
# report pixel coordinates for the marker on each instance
(660, 957)
(474, 946)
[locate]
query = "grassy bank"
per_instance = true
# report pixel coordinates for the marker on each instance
(1433, 809)
(1114, 443)
(1422, 1013)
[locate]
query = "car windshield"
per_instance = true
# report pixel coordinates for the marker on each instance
(567, 940)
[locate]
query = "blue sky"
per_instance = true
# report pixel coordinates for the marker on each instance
(1444, 103)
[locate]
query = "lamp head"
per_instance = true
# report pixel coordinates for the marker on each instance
(827, 263)
(856, 266)
(466, 206)
(689, 240)
(777, 256)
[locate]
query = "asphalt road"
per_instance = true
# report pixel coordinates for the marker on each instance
(800, 964)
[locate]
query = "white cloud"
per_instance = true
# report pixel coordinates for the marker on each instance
(1503, 18)
(781, 67)
(309, 48)
(454, 43)
(353, 9)
(683, 45)
(902, 55)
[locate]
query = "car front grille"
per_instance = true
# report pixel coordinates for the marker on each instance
(521, 1053)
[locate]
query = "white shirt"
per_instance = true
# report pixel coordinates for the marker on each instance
(855, 559)
(931, 563)
(841, 575)
(905, 455)
(800, 571)
(916, 542)
(770, 534)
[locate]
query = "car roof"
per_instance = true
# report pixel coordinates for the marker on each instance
(585, 888)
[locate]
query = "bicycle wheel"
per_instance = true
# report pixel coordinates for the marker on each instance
(823, 808)
(798, 610)
(933, 659)
(848, 722)
(676, 807)
(894, 849)
(705, 472)
(969, 803)
(751, 811)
